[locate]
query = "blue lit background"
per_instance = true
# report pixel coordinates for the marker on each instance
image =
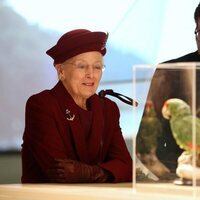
(140, 32)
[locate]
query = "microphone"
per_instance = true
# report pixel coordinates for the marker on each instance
(121, 97)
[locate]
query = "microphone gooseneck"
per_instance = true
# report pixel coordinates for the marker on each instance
(121, 97)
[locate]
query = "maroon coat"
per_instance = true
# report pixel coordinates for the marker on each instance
(49, 135)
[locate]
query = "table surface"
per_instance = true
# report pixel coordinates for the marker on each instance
(122, 191)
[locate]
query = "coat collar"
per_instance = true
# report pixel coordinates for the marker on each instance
(88, 151)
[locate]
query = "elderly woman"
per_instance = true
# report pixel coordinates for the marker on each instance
(71, 134)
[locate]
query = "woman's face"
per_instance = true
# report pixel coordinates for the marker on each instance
(81, 74)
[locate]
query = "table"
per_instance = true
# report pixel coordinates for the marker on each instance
(119, 191)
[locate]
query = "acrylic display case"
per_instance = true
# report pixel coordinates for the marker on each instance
(166, 145)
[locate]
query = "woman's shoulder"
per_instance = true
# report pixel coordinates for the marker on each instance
(41, 94)
(43, 97)
(108, 103)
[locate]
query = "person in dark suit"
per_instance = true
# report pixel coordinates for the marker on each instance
(71, 134)
(167, 84)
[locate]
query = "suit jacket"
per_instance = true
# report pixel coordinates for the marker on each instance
(167, 84)
(49, 134)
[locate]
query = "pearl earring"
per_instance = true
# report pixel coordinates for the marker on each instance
(60, 77)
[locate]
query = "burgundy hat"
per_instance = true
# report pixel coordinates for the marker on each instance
(76, 42)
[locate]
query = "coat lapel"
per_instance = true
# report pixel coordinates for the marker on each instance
(96, 136)
(67, 104)
(90, 151)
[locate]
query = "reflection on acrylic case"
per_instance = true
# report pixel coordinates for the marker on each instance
(168, 136)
